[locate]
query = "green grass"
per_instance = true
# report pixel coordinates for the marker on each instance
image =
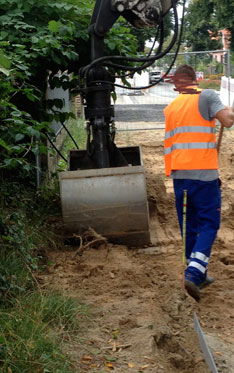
(24, 233)
(32, 331)
(34, 325)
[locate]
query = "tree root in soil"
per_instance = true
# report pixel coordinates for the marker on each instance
(89, 238)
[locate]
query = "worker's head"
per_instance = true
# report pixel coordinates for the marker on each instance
(184, 77)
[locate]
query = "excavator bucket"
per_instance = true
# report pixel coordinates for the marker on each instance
(113, 201)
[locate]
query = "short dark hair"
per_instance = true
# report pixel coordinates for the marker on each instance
(186, 71)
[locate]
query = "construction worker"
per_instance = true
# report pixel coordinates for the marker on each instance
(191, 160)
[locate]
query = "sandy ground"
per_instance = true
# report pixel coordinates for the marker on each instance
(142, 319)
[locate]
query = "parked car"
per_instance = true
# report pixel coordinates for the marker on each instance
(170, 74)
(154, 76)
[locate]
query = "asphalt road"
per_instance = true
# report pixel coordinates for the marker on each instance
(144, 107)
(139, 113)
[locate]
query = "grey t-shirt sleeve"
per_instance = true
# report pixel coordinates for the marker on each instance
(209, 104)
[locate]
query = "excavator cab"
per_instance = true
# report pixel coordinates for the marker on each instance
(104, 187)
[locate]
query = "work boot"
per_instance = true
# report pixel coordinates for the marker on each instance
(193, 290)
(208, 281)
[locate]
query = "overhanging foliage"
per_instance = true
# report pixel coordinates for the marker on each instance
(38, 39)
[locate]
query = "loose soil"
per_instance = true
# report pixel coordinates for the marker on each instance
(142, 319)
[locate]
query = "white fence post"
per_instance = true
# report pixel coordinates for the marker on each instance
(227, 91)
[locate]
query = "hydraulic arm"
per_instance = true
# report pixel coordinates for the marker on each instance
(99, 112)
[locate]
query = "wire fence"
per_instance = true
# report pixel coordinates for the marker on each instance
(211, 62)
(141, 110)
(213, 69)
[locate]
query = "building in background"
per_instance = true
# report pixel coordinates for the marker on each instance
(225, 37)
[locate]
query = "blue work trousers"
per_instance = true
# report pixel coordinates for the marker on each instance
(203, 217)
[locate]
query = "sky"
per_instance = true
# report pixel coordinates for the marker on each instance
(179, 11)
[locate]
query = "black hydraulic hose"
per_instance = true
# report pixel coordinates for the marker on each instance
(69, 133)
(130, 59)
(161, 38)
(140, 68)
(139, 59)
(145, 87)
(123, 67)
(55, 148)
(127, 68)
(172, 63)
(180, 36)
(150, 60)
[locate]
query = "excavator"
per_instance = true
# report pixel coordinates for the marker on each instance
(104, 186)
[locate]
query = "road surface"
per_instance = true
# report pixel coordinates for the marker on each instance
(143, 110)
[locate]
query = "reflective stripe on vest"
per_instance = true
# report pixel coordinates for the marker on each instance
(198, 129)
(195, 145)
(190, 140)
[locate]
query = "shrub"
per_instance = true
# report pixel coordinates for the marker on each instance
(215, 76)
(212, 84)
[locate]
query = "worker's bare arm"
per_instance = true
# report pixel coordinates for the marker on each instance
(226, 117)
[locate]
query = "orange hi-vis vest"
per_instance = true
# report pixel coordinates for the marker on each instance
(190, 140)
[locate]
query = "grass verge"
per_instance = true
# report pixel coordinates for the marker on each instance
(33, 324)
(31, 333)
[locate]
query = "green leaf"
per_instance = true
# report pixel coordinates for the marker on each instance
(43, 149)
(33, 132)
(4, 71)
(3, 35)
(34, 39)
(16, 113)
(4, 145)
(36, 150)
(19, 137)
(19, 46)
(17, 149)
(125, 82)
(10, 162)
(27, 167)
(111, 45)
(56, 102)
(4, 61)
(54, 26)
(114, 96)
